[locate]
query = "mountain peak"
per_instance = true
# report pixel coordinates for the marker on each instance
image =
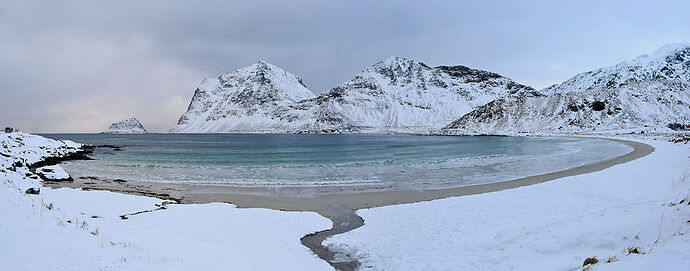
(394, 62)
(671, 62)
(126, 126)
(396, 59)
(672, 48)
(264, 73)
(394, 67)
(262, 67)
(648, 91)
(672, 52)
(253, 92)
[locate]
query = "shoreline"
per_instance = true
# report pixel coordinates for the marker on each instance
(340, 208)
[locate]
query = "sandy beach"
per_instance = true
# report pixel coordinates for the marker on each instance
(339, 204)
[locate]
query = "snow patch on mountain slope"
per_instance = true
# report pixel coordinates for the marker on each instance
(126, 126)
(648, 91)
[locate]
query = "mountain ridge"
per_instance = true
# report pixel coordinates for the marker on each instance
(393, 95)
(648, 91)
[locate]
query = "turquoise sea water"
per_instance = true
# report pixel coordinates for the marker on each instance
(394, 161)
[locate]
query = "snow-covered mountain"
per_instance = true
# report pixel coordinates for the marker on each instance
(247, 100)
(126, 126)
(401, 95)
(394, 95)
(648, 91)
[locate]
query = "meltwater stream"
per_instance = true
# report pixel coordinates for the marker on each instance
(389, 161)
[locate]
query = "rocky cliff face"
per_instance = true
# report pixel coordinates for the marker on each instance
(648, 91)
(394, 95)
(126, 126)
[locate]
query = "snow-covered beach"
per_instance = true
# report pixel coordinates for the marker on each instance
(344, 135)
(630, 216)
(71, 229)
(554, 225)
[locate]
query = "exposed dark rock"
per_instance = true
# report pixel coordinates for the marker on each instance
(78, 155)
(677, 126)
(634, 250)
(33, 191)
(592, 260)
(598, 105)
(88, 178)
(680, 138)
(116, 148)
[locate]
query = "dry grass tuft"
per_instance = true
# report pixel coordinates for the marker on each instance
(612, 259)
(592, 260)
(634, 250)
(684, 178)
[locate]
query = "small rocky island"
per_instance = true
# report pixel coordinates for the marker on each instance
(126, 126)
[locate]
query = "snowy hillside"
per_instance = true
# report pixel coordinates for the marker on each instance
(648, 91)
(75, 229)
(126, 126)
(19, 151)
(400, 95)
(394, 95)
(247, 100)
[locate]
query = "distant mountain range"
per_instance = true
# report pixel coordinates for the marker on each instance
(399, 95)
(394, 95)
(650, 91)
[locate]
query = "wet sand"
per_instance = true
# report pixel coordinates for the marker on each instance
(339, 204)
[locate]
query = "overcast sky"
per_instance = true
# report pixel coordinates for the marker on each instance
(77, 66)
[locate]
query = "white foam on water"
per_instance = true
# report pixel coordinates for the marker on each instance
(417, 168)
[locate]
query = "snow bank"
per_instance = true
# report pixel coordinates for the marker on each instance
(19, 150)
(53, 172)
(68, 229)
(549, 226)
